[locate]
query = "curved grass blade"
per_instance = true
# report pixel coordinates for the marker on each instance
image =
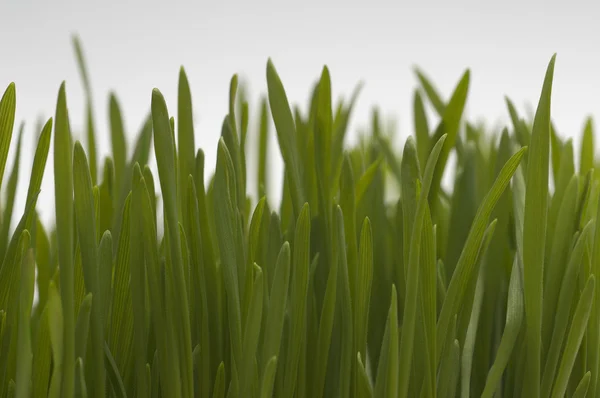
(252, 331)
(268, 380)
(185, 140)
(578, 327)
(117, 139)
(56, 326)
(82, 326)
(80, 384)
(586, 158)
(431, 91)
(534, 233)
(286, 134)
(113, 374)
(514, 318)
(466, 263)
(11, 191)
(563, 309)
(387, 372)
(582, 388)
(219, 387)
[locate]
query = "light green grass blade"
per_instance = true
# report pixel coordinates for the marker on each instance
(219, 387)
(80, 384)
(24, 349)
(56, 325)
(421, 127)
(11, 191)
(286, 134)
(586, 157)
(466, 263)
(185, 140)
(117, 138)
(412, 274)
(84, 212)
(431, 91)
(43, 356)
(387, 381)
(63, 193)
(582, 388)
(298, 298)
(562, 311)
(534, 233)
(277, 307)
(578, 325)
(266, 390)
(82, 326)
(7, 121)
(263, 147)
(163, 147)
(252, 331)
(514, 318)
(113, 375)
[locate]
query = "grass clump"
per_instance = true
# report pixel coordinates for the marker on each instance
(369, 279)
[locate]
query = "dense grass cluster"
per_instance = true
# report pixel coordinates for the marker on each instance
(369, 279)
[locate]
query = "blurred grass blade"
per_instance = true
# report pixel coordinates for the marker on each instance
(7, 121)
(24, 349)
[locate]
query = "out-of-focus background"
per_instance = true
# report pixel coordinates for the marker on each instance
(132, 47)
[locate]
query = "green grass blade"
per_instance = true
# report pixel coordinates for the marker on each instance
(578, 326)
(387, 372)
(252, 331)
(117, 139)
(534, 233)
(582, 388)
(562, 311)
(82, 326)
(412, 274)
(11, 191)
(84, 211)
(185, 139)
(219, 387)
(63, 192)
(112, 372)
(431, 91)
(586, 157)
(163, 146)
(24, 350)
(7, 121)
(286, 134)
(266, 390)
(514, 318)
(56, 326)
(298, 298)
(80, 384)
(466, 263)
(277, 307)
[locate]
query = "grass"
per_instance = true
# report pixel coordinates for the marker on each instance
(369, 279)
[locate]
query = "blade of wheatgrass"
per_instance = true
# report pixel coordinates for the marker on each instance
(205, 324)
(594, 333)
(263, 147)
(90, 132)
(117, 138)
(583, 386)
(449, 126)
(298, 298)
(586, 157)
(80, 384)
(143, 216)
(514, 319)
(578, 326)
(363, 384)
(84, 212)
(387, 380)
(185, 141)
(431, 91)
(412, 273)
(225, 218)
(24, 350)
(113, 375)
(55, 327)
(252, 331)
(325, 330)
(534, 233)
(82, 326)
(120, 330)
(11, 191)
(421, 129)
(466, 263)
(266, 390)
(286, 134)
(469, 344)
(562, 311)
(410, 179)
(7, 121)
(42, 359)
(275, 315)
(105, 273)
(219, 387)
(63, 192)
(137, 274)
(163, 147)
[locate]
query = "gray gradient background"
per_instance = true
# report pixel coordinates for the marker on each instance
(132, 47)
